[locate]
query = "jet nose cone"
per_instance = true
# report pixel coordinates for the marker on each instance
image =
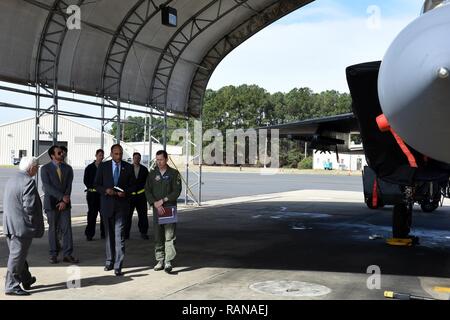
(414, 84)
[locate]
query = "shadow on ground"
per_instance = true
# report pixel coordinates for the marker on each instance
(307, 236)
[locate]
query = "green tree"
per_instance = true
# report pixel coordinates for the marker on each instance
(306, 163)
(134, 128)
(250, 106)
(331, 102)
(299, 104)
(240, 107)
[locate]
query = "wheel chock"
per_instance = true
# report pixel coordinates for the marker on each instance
(405, 242)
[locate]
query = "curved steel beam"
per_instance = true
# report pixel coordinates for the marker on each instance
(47, 60)
(50, 44)
(193, 27)
(225, 45)
(124, 38)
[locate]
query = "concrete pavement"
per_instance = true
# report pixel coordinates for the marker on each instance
(295, 245)
(221, 185)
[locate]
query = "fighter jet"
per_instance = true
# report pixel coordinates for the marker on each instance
(402, 105)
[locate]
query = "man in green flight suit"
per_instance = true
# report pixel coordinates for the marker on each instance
(162, 189)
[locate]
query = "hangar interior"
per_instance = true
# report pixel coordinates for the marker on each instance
(123, 54)
(155, 54)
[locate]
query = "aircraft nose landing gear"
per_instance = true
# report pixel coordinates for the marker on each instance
(401, 222)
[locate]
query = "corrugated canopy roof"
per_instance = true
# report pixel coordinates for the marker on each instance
(123, 51)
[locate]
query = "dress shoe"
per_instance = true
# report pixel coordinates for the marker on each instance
(27, 286)
(18, 292)
(108, 268)
(71, 259)
(144, 236)
(103, 236)
(159, 266)
(89, 238)
(168, 267)
(53, 259)
(118, 272)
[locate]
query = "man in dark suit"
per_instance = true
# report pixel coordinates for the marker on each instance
(57, 178)
(22, 221)
(138, 200)
(93, 197)
(115, 182)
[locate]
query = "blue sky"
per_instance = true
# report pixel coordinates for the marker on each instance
(322, 10)
(308, 48)
(312, 46)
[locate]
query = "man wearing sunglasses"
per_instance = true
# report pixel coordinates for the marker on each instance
(57, 178)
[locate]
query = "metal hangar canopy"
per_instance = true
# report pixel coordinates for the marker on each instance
(123, 52)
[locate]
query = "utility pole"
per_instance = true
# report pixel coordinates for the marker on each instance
(123, 125)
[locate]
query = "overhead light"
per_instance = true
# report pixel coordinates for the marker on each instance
(168, 16)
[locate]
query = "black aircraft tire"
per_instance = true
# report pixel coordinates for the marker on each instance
(429, 206)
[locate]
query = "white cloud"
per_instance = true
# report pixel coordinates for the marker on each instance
(313, 54)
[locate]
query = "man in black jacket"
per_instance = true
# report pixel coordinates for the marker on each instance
(93, 197)
(138, 199)
(115, 182)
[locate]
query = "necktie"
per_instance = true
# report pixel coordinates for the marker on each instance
(58, 171)
(116, 175)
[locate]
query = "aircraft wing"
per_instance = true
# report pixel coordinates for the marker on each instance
(324, 134)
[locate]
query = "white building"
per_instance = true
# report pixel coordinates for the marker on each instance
(17, 140)
(347, 161)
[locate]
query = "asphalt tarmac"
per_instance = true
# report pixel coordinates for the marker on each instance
(223, 185)
(281, 246)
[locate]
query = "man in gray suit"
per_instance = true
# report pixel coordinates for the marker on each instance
(57, 178)
(22, 221)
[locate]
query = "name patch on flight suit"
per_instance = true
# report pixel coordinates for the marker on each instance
(166, 177)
